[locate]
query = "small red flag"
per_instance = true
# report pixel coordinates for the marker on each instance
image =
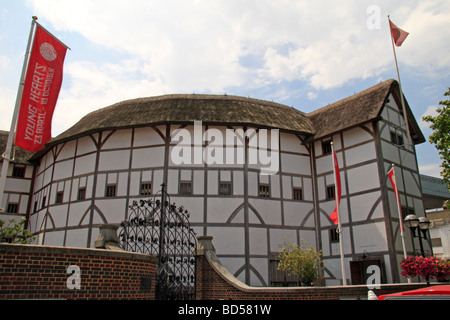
(334, 216)
(398, 34)
(40, 93)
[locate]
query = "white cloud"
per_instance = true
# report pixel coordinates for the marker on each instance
(431, 111)
(185, 46)
(433, 170)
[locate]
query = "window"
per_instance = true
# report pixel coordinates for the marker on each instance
(326, 147)
(298, 194)
(81, 193)
(146, 189)
(110, 191)
(44, 199)
(264, 191)
(13, 208)
(280, 278)
(18, 171)
(334, 235)
(331, 192)
(397, 138)
(225, 189)
(186, 188)
(59, 197)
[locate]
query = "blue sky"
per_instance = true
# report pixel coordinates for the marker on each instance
(304, 54)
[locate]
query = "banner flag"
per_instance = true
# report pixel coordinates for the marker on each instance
(391, 175)
(334, 216)
(40, 93)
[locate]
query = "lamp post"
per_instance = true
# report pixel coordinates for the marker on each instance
(422, 224)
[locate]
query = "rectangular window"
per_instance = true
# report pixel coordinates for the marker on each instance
(110, 191)
(298, 194)
(264, 191)
(334, 235)
(59, 197)
(326, 147)
(186, 188)
(13, 208)
(331, 192)
(397, 138)
(44, 200)
(146, 189)
(225, 189)
(81, 193)
(18, 171)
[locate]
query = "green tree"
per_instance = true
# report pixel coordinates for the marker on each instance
(441, 135)
(306, 263)
(14, 232)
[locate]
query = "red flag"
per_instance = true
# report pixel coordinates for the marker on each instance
(334, 216)
(40, 93)
(397, 34)
(391, 175)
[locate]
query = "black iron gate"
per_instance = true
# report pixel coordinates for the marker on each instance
(160, 228)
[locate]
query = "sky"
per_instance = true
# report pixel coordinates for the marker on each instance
(304, 54)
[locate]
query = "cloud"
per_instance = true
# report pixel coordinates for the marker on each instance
(431, 111)
(203, 46)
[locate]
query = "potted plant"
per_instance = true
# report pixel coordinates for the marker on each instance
(305, 263)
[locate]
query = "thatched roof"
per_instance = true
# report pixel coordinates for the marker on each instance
(360, 108)
(185, 109)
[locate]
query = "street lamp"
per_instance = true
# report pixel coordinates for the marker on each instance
(422, 223)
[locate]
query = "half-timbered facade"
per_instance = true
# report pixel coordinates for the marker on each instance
(90, 174)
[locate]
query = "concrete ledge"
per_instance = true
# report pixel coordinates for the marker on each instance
(75, 251)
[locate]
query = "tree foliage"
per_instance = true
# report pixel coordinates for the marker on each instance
(306, 263)
(14, 232)
(441, 135)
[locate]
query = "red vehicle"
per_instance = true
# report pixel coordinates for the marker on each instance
(429, 293)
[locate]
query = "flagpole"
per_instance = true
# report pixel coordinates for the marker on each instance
(339, 229)
(405, 113)
(9, 145)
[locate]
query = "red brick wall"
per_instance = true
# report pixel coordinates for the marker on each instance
(40, 272)
(212, 286)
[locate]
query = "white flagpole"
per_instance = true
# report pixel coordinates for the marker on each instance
(9, 145)
(339, 229)
(405, 113)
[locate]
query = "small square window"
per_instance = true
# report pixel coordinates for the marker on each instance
(18, 171)
(225, 189)
(186, 188)
(13, 208)
(81, 193)
(331, 192)
(264, 191)
(334, 235)
(110, 191)
(298, 194)
(146, 189)
(59, 197)
(326, 147)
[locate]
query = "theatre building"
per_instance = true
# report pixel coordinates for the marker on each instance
(253, 174)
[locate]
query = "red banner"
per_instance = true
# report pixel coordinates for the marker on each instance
(40, 93)
(334, 216)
